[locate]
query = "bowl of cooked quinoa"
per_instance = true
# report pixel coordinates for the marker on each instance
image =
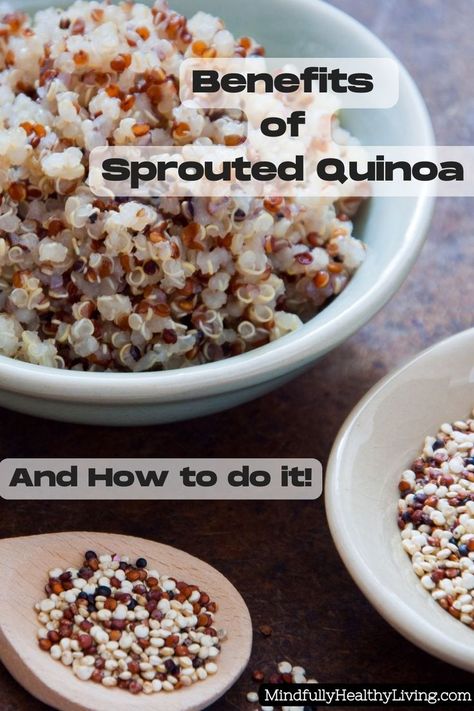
(148, 310)
(400, 499)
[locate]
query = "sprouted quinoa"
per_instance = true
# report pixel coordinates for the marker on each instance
(122, 625)
(114, 284)
(436, 517)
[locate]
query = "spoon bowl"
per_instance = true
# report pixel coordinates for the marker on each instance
(25, 565)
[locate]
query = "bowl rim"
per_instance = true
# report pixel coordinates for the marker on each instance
(261, 365)
(399, 614)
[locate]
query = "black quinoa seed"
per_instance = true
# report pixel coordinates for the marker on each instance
(171, 667)
(149, 267)
(90, 555)
(79, 266)
(141, 563)
(135, 353)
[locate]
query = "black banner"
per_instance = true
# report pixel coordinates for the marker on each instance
(310, 696)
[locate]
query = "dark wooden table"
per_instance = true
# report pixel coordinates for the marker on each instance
(280, 555)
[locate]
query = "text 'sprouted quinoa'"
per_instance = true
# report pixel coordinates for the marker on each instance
(123, 625)
(103, 284)
(436, 517)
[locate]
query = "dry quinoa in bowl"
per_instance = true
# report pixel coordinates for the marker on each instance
(126, 285)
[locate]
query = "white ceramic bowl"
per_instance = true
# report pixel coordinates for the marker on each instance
(380, 439)
(394, 230)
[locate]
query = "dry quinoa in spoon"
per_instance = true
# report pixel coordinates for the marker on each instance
(121, 624)
(97, 284)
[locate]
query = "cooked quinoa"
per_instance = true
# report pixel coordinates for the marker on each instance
(117, 284)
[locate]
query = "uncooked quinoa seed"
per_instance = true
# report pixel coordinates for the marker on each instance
(436, 517)
(123, 625)
(286, 674)
(136, 285)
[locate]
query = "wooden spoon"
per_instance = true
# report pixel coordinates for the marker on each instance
(25, 565)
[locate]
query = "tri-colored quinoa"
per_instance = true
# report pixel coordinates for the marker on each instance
(94, 284)
(286, 673)
(436, 517)
(124, 625)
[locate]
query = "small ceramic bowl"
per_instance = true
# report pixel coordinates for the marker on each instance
(380, 439)
(393, 229)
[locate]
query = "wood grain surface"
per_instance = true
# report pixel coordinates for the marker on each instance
(26, 561)
(280, 555)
